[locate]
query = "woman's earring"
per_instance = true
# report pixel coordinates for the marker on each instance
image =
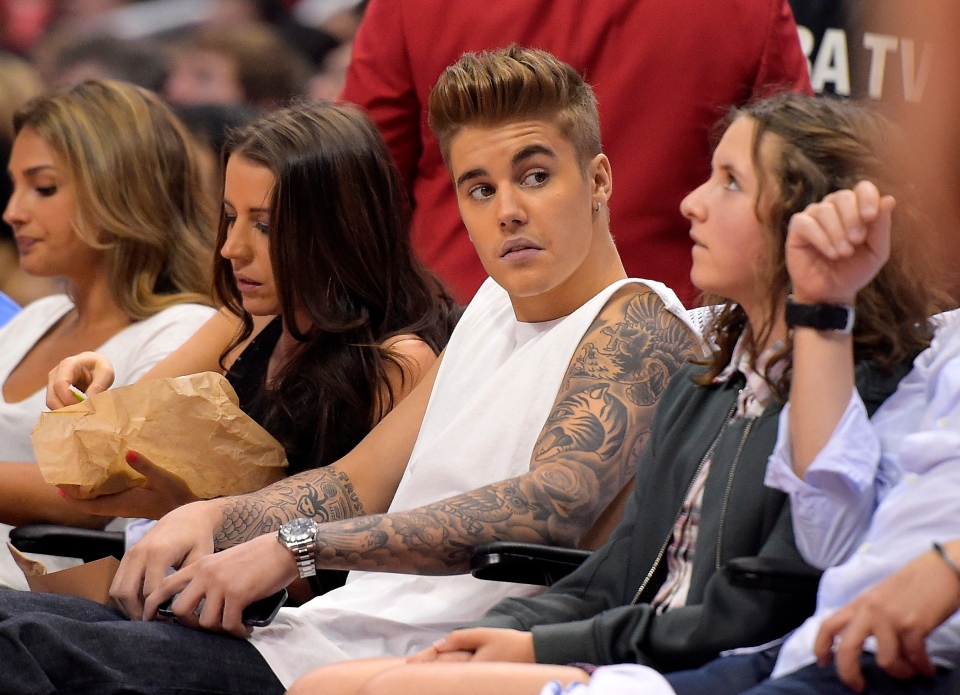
(598, 206)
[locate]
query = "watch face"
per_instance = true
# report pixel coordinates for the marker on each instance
(297, 530)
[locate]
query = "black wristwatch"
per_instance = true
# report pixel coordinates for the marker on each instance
(822, 317)
(300, 538)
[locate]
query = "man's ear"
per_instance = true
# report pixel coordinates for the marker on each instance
(600, 175)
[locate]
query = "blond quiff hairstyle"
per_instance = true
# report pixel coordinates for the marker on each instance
(514, 84)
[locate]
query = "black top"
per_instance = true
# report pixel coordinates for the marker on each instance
(248, 375)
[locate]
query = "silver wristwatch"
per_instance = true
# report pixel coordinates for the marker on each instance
(300, 536)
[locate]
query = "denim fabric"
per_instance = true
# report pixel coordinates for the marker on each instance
(60, 644)
(748, 675)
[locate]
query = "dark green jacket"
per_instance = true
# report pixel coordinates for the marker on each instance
(600, 615)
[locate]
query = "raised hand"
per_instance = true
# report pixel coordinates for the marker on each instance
(838, 245)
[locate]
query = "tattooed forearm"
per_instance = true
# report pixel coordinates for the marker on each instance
(586, 452)
(324, 494)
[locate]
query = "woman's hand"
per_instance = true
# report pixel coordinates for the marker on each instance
(179, 539)
(835, 247)
(480, 644)
(89, 371)
(213, 591)
(162, 492)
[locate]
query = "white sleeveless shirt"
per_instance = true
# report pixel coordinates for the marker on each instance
(494, 391)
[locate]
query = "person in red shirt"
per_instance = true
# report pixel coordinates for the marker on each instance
(663, 74)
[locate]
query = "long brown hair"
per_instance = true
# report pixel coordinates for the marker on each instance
(341, 257)
(824, 145)
(138, 190)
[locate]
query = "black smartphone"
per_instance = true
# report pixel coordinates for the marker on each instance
(257, 614)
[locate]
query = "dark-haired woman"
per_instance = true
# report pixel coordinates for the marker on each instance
(328, 318)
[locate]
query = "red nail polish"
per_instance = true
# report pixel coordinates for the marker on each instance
(62, 494)
(132, 457)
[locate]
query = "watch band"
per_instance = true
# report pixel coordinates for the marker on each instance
(304, 553)
(299, 537)
(822, 317)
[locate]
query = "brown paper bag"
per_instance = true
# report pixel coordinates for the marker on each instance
(191, 426)
(91, 580)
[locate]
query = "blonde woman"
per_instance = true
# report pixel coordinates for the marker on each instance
(105, 197)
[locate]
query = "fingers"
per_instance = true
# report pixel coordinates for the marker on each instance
(88, 371)
(173, 585)
(840, 222)
(889, 655)
(838, 225)
(126, 589)
(914, 649)
(424, 656)
(456, 656)
(847, 656)
(823, 645)
(462, 640)
(173, 490)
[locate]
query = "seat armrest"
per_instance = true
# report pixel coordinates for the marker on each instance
(773, 574)
(68, 541)
(524, 563)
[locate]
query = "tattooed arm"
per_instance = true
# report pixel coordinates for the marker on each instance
(364, 481)
(584, 455)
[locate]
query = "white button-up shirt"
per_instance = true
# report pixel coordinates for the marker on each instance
(880, 492)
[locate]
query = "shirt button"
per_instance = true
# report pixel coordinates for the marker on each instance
(911, 478)
(942, 423)
(865, 548)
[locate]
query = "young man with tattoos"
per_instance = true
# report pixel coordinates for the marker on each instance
(527, 428)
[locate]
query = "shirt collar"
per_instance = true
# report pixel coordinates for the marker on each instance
(756, 394)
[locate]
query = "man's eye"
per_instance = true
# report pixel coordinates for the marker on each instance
(480, 192)
(536, 178)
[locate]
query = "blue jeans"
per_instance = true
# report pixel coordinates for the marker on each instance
(750, 675)
(60, 644)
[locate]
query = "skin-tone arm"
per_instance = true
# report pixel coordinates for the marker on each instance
(900, 612)
(602, 415)
(92, 373)
(162, 492)
(834, 248)
(32, 500)
(376, 676)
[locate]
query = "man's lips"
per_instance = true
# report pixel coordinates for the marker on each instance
(518, 248)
